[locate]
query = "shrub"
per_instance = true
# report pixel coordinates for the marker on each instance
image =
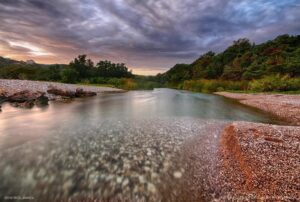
(275, 83)
(209, 86)
(70, 76)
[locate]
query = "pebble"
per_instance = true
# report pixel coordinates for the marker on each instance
(119, 180)
(151, 187)
(177, 174)
(125, 182)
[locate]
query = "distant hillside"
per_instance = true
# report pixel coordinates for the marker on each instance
(243, 60)
(6, 61)
(13, 69)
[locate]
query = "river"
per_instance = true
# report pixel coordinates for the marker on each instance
(112, 146)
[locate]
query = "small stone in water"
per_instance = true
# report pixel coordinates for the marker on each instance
(151, 188)
(177, 174)
(119, 180)
(125, 182)
(142, 179)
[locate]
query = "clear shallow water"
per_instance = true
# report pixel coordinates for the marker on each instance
(110, 146)
(130, 105)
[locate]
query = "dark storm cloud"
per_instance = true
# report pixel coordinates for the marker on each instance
(149, 33)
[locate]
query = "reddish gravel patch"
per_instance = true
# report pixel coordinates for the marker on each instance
(286, 107)
(242, 161)
(259, 161)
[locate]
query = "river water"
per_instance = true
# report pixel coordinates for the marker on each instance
(113, 146)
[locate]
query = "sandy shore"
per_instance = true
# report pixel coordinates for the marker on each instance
(286, 107)
(12, 86)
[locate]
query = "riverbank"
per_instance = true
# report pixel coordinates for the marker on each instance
(285, 107)
(26, 94)
(243, 161)
(13, 86)
(259, 161)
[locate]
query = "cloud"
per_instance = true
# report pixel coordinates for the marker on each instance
(145, 34)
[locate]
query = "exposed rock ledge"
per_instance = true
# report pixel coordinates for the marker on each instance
(286, 107)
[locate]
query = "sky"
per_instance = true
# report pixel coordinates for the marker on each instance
(150, 36)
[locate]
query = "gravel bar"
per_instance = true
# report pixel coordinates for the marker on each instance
(13, 86)
(286, 107)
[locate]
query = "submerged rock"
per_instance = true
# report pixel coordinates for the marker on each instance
(81, 93)
(27, 104)
(42, 100)
(27, 99)
(60, 92)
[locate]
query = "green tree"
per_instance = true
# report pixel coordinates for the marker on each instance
(82, 65)
(70, 75)
(54, 73)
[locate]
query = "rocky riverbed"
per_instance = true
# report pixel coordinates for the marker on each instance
(134, 160)
(165, 159)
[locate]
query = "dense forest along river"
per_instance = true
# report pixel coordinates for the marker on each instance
(111, 146)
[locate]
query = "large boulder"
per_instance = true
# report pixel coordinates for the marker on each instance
(27, 99)
(60, 92)
(70, 94)
(25, 95)
(21, 96)
(41, 100)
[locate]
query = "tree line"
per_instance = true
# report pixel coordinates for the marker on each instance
(270, 66)
(82, 68)
(79, 69)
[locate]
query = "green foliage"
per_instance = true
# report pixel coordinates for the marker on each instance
(136, 83)
(275, 83)
(105, 69)
(208, 86)
(109, 69)
(270, 66)
(81, 65)
(242, 61)
(31, 72)
(70, 75)
(178, 73)
(239, 64)
(54, 73)
(271, 83)
(79, 70)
